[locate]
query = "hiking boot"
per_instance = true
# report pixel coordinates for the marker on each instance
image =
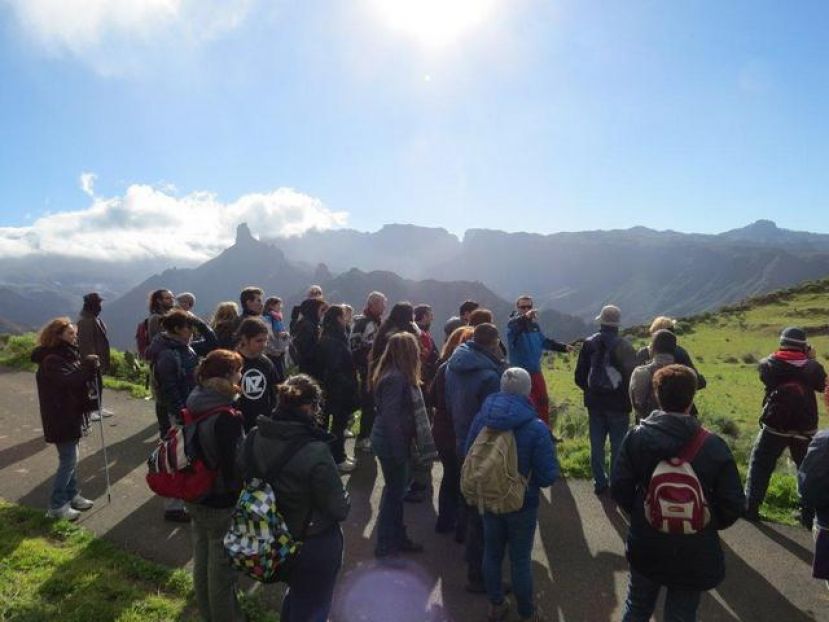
(177, 516)
(417, 494)
(346, 466)
(94, 416)
(364, 444)
(600, 491)
(106, 412)
(535, 617)
(80, 503)
(753, 516)
(476, 586)
(410, 546)
(805, 516)
(348, 433)
(498, 613)
(65, 512)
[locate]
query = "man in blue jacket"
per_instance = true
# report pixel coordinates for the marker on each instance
(511, 409)
(526, 345)
(472, 374)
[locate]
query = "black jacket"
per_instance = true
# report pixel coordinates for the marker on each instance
(309, 487)
(62, 389)
(681, 357)
(623, 358)
(787, 366)
(338, 374)
(305, 337)
(692, 562)
(813, 478)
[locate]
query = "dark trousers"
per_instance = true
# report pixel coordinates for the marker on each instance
(312, 580)
(162, 417)
(515, 530)
(338, 419)
(474, 554)
(366, 410)
(449, 493)
(391, 532)
(680, 605)
(767, 449)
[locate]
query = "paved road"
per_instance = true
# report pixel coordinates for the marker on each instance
(578, 559)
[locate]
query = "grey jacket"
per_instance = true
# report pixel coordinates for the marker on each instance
(642, 396)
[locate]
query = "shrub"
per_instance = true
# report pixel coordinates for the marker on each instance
(749, 358)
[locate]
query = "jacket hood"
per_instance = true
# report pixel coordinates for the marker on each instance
(310, 309)
(507, 411)
(665, 434)
(204, 398)
(161, 342)
(291, 429)
(67, 351)
(785, 360)
(470, 357)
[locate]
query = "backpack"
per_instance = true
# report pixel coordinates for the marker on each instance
(603, 377)
(786, 408)
(142, 338)
(177, 467)
(258, 541)
(675, 502)
(490, 478)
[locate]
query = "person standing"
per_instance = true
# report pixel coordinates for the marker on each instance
(603, 372)
(278, 338)
(186, 301)
(160, 303)
(526, 344)
(462, 319)
(63, 385)
(512, 411)
(642, 395)
(219, 435)
(259, 376)
(305, 337)
(791, 376)
(338, 378)
(224, 322)
(311, 495)
(92, 339)
(685, 564)
(365, 329)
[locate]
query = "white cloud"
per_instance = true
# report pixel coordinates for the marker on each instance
(87, 182)
(148, 222)
(108, 34)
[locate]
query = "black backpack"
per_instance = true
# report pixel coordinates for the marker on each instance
(603, 378)
(786, 408)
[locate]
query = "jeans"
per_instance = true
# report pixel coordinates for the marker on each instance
(65, 486)
(214, 579)
(449, 493)
(474, 553)
(604, 423)
(312, 580)
(680, 605)
(391, 531)
(516, 530)
(764, 455)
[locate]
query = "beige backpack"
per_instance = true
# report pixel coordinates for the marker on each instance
(489, 478)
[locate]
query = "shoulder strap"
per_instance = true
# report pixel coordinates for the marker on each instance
(690, 451)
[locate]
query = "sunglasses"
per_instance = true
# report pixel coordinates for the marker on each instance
(525, 307)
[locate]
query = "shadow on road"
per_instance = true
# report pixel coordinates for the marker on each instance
(21, 451)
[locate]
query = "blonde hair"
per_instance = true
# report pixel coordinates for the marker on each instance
(402, 353)
(225, 311)
(460, 335)
(50, 335)
(662, 323)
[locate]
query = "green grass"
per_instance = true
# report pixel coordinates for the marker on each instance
(726, 347)
(59, 571)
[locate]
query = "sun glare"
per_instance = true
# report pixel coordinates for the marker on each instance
(435, 23)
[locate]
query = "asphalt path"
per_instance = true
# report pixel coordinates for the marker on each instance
(579, 568)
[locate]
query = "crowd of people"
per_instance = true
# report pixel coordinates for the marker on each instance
(278, 400)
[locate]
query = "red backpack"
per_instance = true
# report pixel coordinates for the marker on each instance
(142, 337)
(675, 502)
(177, 466)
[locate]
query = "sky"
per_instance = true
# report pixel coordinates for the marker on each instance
(125, 123)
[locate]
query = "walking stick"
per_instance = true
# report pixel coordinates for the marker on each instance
(103, 442)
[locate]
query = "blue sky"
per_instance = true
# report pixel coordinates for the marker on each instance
(538, 116)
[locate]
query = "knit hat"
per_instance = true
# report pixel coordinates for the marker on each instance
(516, 381)
(610, 316)
(793, 338)
(663, 342)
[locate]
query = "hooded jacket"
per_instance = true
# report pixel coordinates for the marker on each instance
(338, 374)
(693, 562)
(92, 338)
(305, 337)
(472, 374)
(813, 478)
(219, 439)
(795, 366)
(681, 357)
(642, 396)
(623, 358)
(309, 487)
(536, 450)
(62, 391)
(527, 343)
(442, 430)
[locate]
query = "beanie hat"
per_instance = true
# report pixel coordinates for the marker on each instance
(610, 316)
(516, 381)
(663, 342)
(793, 338)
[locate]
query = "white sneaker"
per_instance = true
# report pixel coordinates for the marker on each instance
(81, 503)
(65, 512)
(364, 445)
(94, 416)
(348, 433)
(106, 412)
(346, 466)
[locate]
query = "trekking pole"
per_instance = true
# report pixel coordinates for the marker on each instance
(103, 442)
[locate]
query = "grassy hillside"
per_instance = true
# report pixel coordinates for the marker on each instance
(726, 347)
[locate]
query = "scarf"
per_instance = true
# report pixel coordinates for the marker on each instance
(424, 450)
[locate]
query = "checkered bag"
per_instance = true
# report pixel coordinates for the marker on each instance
(258, 541)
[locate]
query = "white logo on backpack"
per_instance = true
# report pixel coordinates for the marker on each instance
(675, 501)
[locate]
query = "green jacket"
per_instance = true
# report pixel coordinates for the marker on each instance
(308, 487)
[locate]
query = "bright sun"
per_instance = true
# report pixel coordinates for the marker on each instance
(434, 23)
